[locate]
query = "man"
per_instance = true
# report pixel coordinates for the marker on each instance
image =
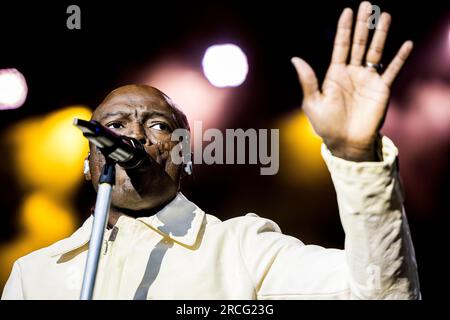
(159, 245)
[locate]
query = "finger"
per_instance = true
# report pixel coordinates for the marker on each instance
(307, 78)
(361, 33)
(377, 45)
(397, 63)
(342, 40)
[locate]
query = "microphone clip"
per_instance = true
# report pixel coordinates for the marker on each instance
(126, 151)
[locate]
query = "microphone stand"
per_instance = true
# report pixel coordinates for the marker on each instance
(129, 153)
(101, 214)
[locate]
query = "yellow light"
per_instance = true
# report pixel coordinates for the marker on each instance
(50, 151)
(44, 221)
(301, 159)
(48, 154)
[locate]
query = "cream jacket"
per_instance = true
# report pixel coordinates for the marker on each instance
(183, 253)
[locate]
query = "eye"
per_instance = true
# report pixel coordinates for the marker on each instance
(115, 125)
(161, 126)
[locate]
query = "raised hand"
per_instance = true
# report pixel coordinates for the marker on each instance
(347, 112)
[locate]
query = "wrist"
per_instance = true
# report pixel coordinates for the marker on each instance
(354, 152)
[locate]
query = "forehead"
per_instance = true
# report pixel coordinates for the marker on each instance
(135, 101)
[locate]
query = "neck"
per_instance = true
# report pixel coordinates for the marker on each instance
(116, 212)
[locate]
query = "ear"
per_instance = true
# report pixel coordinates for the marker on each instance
(86, 169)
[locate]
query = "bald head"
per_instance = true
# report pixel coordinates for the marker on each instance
(139, 95)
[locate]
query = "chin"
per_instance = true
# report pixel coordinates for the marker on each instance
(131, 200)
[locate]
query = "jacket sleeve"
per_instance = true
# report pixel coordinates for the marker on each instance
(13, 288)
(378, 247)
(378, 261)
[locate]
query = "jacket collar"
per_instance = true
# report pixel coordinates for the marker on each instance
(78, 239)
(180, 220)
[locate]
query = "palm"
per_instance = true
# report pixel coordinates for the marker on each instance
(348, 109)
(353, 97)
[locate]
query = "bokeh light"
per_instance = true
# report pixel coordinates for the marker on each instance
(43, 221)
(38, 216)
(189, 89)
(301, 159)
(13, 89)
(225, 65)
(420, 127)
(449, 39)
(50, 151)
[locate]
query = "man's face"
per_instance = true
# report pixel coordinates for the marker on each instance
(143, 113)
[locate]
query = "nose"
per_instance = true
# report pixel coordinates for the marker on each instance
(138, 133)
(143, 140)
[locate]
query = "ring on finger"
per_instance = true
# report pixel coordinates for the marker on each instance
(377, 66)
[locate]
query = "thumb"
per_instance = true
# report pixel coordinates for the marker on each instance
(307, 78)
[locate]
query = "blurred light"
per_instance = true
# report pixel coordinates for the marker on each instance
(189, 89)
(13, 89)
(419, 125)
(300, 149)
(225, 65)
(49, 152)
(43, 221)
(449, 38)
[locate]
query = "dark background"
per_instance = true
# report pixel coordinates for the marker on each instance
(117, 40)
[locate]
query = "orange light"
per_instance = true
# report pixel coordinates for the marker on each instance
(44, 221)
(50, 151)
(300, 148)
(48, 154)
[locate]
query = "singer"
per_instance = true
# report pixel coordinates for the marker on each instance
(160, 245)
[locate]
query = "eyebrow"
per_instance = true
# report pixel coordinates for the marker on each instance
(113, 114)
(146, 114)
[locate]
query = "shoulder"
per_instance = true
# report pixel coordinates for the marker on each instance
(252, 221)
(36, 257)
(249, 223)
(43, 255)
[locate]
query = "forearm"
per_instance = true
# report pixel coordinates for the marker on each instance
(379, 251)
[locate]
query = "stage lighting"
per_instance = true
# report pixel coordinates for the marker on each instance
(49, 151)
(225, 65)
(13, 89)
(302, 162)
(449, 37)
(191, 91)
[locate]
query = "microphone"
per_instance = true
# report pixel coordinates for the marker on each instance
(126, 151)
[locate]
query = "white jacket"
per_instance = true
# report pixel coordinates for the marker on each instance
(183, 253)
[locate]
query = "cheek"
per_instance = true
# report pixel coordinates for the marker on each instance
(95, 166)
(158, 136)
(173, 170)
(161, 154)
(123, 180)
